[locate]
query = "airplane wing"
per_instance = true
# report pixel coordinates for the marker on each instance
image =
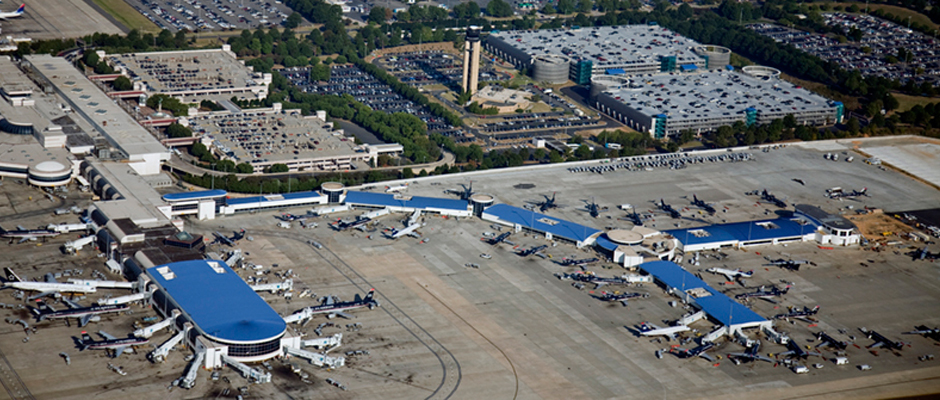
(41, 295)
(106, 335)
(599, 284)
(344, 315)
(22, 240)
(876, 345)
(85, 320)
(786, 353)
(624, 302)
(20, 227)
(706, 356)
(71, 303)
(119, 350)
(764, 358)
(329, 300)
(729, 276)
(50, 278)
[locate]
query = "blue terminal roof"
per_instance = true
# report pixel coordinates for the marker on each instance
(389, 200)
(273, 197)
(689, 67)
(742, 231)
(196, 195)
(531, 220)
(718, 306)
(221, 304)
(605, 243)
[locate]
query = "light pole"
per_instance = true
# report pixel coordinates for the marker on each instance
(213, 176)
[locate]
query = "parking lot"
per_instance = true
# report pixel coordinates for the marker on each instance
(367, 89)
(202, 15)
(434, 67)
(881, 38)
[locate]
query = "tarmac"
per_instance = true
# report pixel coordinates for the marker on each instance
(58, 19)
(510, 329)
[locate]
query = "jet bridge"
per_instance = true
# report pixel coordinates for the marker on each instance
(126, 299)
(253, 374)
(318, 359)
(375, 214)
(778, 337)
(189, 379)
(690, 318)
(304, 314)
(274, 287)
(325, 343)
(147, 332)
(234, 258)
(159, 355)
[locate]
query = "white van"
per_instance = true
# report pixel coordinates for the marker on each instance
(840, 360)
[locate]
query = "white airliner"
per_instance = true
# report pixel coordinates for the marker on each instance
(17, 13)
(50, 286)
(731, 274)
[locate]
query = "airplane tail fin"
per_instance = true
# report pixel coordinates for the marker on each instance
(21, 9)
(11, 276)
(370, 295)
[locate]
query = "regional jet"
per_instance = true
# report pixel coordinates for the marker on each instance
(881, 341)
(792, 265)
(731, 274)
(648, 329)
(464, 193)
(839, 194)
(333, 308)
(830, 341)
(793, 312)
(699, 351)
(228, 241)
(770, 198)
(27, 234)
(83, 314)
(703, 205)
(499, 239)
(668, 209)
(593, 209)
(621, 297)
(751, 354)
(119, 345)
(927, 332)
(532, 250)
(549, 203)
(14, 14)
(763, 293)
(11, 280)
(796, 351)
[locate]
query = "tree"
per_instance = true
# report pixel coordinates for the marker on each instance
(852, 125)
(276, 168)
(407, 173)
(122, 83)
(498, 9)
(198, 150)
(293, 21)
(103, 68)
(378, 15)
(584, 6)
(176, 130)
(565, 6)
(583, 152)
(891, 103)
(244, 168)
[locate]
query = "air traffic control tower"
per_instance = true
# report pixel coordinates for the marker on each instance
(471, 59)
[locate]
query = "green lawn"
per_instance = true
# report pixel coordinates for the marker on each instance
(128, 16)
(908, 102)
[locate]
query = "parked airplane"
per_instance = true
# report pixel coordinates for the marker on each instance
(330, 307)
(396, 233)
(287, 217)
(797, 313)
(668, 209)
(119, 345)
(648, 329)
(395, 189)
(880, 340)
(83, 314)
(731, 274)
(621, 297)
(830, 341)
(792, 265)
(927, 332)
(751, 354)
(464, 193)
(770, 198)
(589, 277)
(49, 286)
(796, 351)
(763, 293)
(547, 204)
(532, 250)
(839, 194)
(567, 262)
(341, 225)
(228, 241)
(703, 205)
(637, 219)
(593, 209)
(14, 14)
(499, 239)
(923, 254)
(27, 234)
(699, 351)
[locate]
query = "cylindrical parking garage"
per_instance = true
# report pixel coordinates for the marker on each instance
(49, 173)
(602, 83)
(760, 71)
(550, 68)
(717, 56)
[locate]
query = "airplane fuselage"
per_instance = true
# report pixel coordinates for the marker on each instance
(51, 287)
(81, 312)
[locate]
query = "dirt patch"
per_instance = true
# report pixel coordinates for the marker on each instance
(877, 225)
